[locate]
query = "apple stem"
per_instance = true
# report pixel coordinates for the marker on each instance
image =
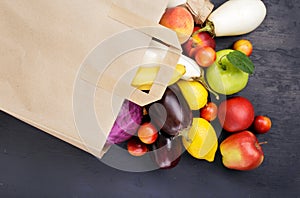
(202, 80)
(221, 63)
(262, 143)
(209, 27)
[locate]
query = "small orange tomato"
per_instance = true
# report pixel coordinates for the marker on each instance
(147, 133)
(136, 148)
(244, 46)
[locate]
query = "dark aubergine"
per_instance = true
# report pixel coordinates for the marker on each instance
(166, 151)
(172, 113)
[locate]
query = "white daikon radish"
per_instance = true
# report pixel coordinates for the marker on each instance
(174, 3)
(192, 68)
(235, 17)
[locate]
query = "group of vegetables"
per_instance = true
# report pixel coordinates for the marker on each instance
(168, 127)
(139, 126)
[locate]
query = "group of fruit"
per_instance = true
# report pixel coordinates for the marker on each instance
(167, 126)
(227, 72)
(241, 150)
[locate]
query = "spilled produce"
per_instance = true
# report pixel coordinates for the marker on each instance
(170, 125)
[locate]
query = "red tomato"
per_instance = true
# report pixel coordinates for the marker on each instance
(262, 124)
(147, 133)
(135, 147)
(209, 112)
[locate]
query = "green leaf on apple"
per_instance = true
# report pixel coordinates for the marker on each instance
(241, 61)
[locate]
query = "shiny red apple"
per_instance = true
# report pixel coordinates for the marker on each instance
(203, 38)
(189, 47)
(262, 124)
(241, 151)
(197, 41)
(236, 114)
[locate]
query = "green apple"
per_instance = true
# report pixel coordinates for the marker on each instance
(225, 78)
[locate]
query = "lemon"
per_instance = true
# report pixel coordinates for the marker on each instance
(145, 76)
(210, 156)
(201, 141)
(194, 93)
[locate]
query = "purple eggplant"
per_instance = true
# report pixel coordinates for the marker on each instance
(172, 113)
(166, 151)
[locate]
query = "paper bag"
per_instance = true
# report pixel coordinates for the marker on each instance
(200, 9)
(63, 63)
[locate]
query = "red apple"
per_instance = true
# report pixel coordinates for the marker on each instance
(236, 114)
(209, 111)
(189, 47)
(203, 39)
(262, 124)
(197, 41)
(241, 151)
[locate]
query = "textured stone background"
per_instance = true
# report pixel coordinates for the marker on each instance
(34, 164)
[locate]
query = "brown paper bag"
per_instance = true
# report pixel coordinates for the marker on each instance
(63, 63)
(200, 9)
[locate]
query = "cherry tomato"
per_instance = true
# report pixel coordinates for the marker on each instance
(262, 124)
(147, 133)
(205, 56)
(209, 112)
(244, 46)
(136, 148)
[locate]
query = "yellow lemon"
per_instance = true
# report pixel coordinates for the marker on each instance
(201, 141)
(194, 93)
(210, 156)
(145, 76)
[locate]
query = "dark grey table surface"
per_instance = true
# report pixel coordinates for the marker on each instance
(35, 164)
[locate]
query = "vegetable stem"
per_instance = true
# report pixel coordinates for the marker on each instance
(209, 27)
(184, 133)
(202, 80)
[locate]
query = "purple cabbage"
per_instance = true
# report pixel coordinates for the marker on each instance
(126, 124)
